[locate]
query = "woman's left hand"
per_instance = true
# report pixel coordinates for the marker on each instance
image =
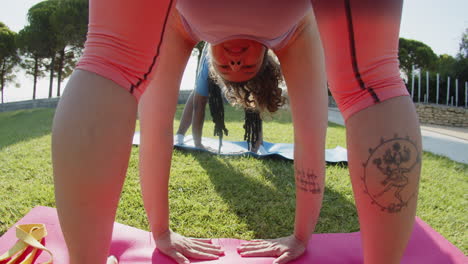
(284, 249)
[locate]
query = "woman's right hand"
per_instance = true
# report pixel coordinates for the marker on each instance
(179, 248)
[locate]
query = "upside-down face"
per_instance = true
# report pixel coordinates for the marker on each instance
(238, 60)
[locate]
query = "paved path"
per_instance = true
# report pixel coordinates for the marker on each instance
(445, 141)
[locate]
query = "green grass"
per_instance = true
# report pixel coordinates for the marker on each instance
(212, 196)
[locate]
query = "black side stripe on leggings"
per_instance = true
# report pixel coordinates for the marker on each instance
(157, 51)
(352, 45)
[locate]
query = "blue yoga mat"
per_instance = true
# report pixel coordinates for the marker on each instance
(240, 148)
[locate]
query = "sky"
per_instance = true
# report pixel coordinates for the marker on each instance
(437, 23)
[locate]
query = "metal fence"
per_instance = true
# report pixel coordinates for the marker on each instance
(436, 89)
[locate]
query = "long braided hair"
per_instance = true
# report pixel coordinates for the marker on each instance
(252, 119)
(216, 103)
(252, 127)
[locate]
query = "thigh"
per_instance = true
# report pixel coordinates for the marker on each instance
(360, 39)
(124, 39)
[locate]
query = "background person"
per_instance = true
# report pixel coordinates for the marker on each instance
(206, 90)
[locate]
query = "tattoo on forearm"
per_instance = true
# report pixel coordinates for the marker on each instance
(387, 173)
(307, 181)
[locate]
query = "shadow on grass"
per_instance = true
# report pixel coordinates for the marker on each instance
(266, 204)
(337, 214)
(24, 125)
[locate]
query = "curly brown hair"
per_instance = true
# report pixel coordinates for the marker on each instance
(261, 93)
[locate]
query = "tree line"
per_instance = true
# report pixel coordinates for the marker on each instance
(53, 40)
(50, 44)
(422, 57)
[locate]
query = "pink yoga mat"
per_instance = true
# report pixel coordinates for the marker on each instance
(133, 246)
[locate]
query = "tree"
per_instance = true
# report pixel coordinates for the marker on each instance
(455, 67)
(39, 17)
(66, 61)
(70, 22)
(413, 52)
(32, 54)
(461, 66)
(464, 45)
(446, 65)
(8, 56)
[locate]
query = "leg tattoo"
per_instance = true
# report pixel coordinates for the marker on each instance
(386, 178)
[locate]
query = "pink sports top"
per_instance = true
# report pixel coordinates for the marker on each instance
(270, 22)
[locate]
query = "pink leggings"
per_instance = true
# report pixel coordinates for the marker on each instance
(124, 39)
(360, 39)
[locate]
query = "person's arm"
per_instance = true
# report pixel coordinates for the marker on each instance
(198, 118)
(302, 63)
(157, 109)
(304, 71)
